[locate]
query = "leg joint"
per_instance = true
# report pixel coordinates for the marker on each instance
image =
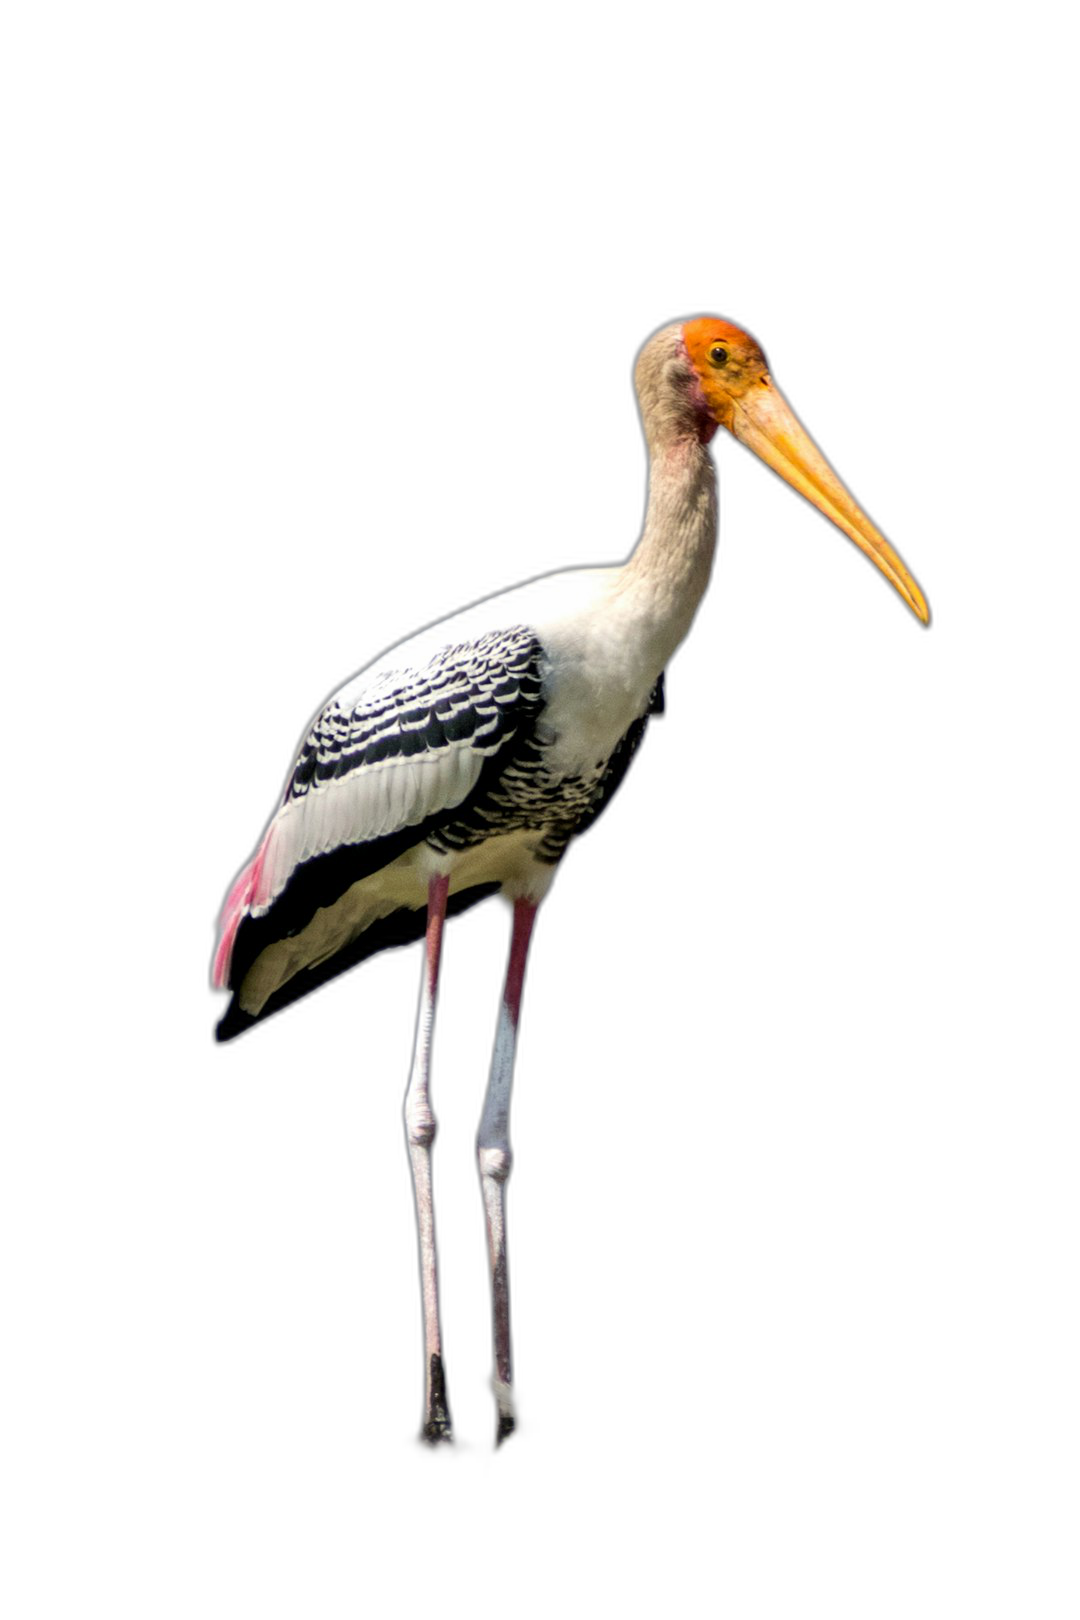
(420, 1126)
(495, 1162)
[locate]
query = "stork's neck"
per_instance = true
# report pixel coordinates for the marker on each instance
(669, 569)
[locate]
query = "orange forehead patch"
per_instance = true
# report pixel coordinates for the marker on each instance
(718, 386)
(700, 335)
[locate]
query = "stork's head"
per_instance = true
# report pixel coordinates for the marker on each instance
(727, 365)
(706, 373)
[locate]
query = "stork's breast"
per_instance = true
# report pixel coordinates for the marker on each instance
(593, 693)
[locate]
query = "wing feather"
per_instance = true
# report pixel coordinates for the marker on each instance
(389, 756)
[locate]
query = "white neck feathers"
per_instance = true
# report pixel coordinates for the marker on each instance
(670, 566)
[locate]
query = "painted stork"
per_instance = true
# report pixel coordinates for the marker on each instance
(463, 761)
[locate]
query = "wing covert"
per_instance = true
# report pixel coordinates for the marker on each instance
(391, 755)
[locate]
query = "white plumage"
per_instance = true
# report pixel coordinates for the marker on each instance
(588, 627)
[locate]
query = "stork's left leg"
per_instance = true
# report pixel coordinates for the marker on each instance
(420, 1133)
(493, 1153)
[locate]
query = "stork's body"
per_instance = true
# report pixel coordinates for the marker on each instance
(464, 760)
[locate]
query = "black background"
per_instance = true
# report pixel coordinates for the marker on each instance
(732, 1217)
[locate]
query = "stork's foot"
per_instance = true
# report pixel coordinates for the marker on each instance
(507, 1421)
(438, 1426)
(436, 1429)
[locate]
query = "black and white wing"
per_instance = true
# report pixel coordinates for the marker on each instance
(381, 765)
(410, 746)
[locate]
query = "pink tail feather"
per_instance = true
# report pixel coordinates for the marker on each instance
(237, 905)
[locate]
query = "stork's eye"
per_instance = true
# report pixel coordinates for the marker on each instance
(718, 355)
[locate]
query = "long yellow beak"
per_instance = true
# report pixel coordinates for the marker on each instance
(766, 424)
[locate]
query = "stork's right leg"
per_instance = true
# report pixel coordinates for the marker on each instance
(494, 1156)
(420, 1131)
